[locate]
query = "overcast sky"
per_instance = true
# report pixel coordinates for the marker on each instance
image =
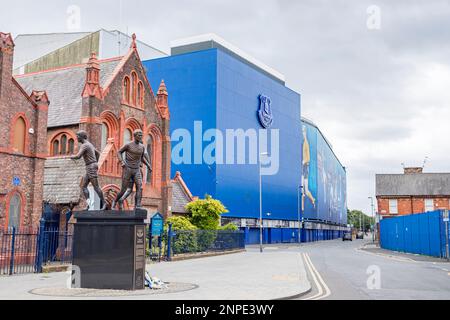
(376, 80)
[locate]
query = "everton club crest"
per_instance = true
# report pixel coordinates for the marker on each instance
(265, 111)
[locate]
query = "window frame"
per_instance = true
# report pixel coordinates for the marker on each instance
(126, 94)
(22, 204)
(140, 94)
(19, 117)
(57, 138)
(391, 206)
(134, 85)
(425, 204)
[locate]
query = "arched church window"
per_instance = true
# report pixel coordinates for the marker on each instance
(55, 147)
(19, 132)
(133, 87)
(149, 148)
(71, 146)
(105, 135)
(63, 144)
(140, 95)
(15, 209)
(126, 90)
(127, 136)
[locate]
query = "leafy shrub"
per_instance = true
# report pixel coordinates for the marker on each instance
(185, 239)
(205, 213)
(229, 227)
(179, 223)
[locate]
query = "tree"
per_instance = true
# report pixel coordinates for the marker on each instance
(205, 213)
(357, 217)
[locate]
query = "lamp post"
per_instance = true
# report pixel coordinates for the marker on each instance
(299, 194)
(260, 203)
(373, 217)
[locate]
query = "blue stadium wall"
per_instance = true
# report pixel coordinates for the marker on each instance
(324, 180)
(222, 92)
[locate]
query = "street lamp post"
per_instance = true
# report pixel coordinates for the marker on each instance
(299, 193)
(260, 203)
(373, 217)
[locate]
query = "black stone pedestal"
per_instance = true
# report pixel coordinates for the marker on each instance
(109, 249)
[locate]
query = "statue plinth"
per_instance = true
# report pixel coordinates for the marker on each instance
(109, 249)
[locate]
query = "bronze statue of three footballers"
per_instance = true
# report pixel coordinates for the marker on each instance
(135, 156)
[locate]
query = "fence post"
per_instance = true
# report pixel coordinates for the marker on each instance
(13, 244)
(169, 242)
(40, 250)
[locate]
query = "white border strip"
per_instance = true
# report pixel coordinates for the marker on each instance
(229, 46)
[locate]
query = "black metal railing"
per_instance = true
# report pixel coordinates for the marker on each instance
(24, 249)
(192, 241)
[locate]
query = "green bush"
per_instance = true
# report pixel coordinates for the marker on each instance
(229, 227)
(205, 239)
(205, 213)
(179, 223)
(185, 239)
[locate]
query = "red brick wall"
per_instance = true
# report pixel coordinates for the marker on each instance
(408, 205)
(28, 167)
(156, 196)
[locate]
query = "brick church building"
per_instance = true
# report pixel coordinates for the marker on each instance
(108, 99)
(23, 145)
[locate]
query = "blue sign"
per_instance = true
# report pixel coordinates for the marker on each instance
(265, 111)
(16, 181)
(157, 224)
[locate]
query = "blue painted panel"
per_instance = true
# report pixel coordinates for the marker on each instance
(423, 234)
(238, 89)
(434, 233)
(324, 179)
(191, 81)
(253, 236)
(418, 233)
(276, 236)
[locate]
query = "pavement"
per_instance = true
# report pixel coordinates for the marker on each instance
(335, 269)
(274, 274)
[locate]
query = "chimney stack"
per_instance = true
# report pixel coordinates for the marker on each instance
(413, 170)
(6, 60)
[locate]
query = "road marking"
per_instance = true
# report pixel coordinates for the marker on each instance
(387, 256)
(323, 290)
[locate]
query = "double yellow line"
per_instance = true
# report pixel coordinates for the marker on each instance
(323, 290)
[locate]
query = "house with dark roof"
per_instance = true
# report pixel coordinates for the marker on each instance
(412, 192)
(109, 99)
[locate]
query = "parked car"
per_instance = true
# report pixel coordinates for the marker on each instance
(360, 235)
(347, 236)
